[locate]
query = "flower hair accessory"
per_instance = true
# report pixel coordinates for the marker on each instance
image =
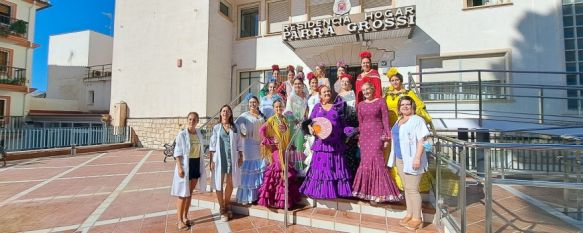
(291, 68)
(321, 65)
(340, 63)
(348, 76)
(275, 67)
(365, 54)
(311, 76)
(392, 72)
(300, 68)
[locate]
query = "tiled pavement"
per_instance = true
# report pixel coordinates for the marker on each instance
(115, 191)
(128, 191)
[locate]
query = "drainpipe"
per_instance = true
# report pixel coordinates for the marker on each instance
(231, 81)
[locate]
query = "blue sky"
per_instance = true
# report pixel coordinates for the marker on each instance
(67, 16)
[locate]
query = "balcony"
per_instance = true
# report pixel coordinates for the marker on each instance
(12, 75)
(98, 73)
(13, 27)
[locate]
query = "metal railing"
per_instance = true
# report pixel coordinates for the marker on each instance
(12, 75)
(9, 122)
(99, 71)
(238, 105)
(504, 95)
(454, 178)
(20, 139)
(515, 161)
(12, 26)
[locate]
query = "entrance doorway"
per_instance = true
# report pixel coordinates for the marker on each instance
(353, 70)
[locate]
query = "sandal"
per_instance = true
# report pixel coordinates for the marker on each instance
(182, 226)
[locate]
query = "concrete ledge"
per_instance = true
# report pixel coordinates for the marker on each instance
(29, 154)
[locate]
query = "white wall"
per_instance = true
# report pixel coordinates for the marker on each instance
(53, 104)
(100, 49)
(220, 39)
(102, 90)
(17, 102)
(150, 36)
(70, 49)
(65, 82)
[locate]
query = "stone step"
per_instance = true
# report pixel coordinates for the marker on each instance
(346, 215)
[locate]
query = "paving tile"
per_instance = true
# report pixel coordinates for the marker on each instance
(150, 180)
(261, 222)
(373, 221)
(103, 229)
(31, 174)
(63, 187)
(273, 229)
(9, 190)
(134, 203)
(156, 166)
(48, 214)
(297, 229)
(115, 159)
(348, 218)
(54, 162)
(101, 170)
(129, 227)
(324, 214)
(240, 222)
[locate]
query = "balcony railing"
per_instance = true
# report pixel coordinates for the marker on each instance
(12, 75)
(100, 71)
(12, 26)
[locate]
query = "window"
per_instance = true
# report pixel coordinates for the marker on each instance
(2, 107)
(375, 5)
(249, 22)
(573, 36)
(477, 3)
(4, 67)
(278, 15)
(248, 78)
(225, 8)
(320, 9)
(5, 14)
(91, 97)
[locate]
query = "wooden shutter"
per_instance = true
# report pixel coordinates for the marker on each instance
(278, 13)
(372, 5)
(321, 9)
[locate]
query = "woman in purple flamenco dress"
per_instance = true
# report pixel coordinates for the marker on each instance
(275, 135)
(328, 176)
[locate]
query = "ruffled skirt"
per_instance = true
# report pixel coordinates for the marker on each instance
(272, 191)
(372, 181)
(251, 180)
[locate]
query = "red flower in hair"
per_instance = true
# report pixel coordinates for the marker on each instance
(345, 75)
(365, 54)
(311, 76)
(291, 68)
(275, 67)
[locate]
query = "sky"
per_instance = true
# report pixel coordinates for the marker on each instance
(65, 16)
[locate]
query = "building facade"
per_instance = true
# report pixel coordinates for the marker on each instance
(17, 23)
(79, 72)
(169, 60)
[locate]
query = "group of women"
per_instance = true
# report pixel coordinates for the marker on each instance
(368, 133)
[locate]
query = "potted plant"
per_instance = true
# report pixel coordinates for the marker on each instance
(19, 27)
